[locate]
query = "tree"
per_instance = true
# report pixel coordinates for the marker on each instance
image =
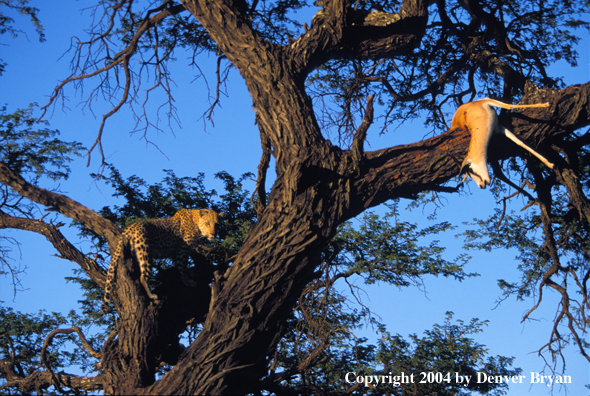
(319, 343)
(405, 60)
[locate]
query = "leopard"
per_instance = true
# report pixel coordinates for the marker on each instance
(169, 238)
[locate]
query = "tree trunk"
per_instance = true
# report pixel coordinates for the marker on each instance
(317, 188)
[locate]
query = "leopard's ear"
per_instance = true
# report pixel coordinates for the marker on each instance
(221, 215)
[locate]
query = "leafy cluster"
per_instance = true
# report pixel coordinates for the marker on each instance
(21, 7)
(448, 351)
(24, 338)
(387, 249)
(32, 151)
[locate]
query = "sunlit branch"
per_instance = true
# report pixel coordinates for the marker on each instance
(60, 203)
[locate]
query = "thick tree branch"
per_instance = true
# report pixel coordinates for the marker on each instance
(62, 204)
(229, 25)
(339, 32)
(379, 37)
(408, 169)
(41, 380)
(59, 242)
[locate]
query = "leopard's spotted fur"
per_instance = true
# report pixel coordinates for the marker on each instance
(173, 238)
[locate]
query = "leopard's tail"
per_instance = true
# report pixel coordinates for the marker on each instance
(111, 275)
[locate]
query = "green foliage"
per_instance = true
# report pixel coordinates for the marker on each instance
(27, 333)
(159, 200)
(522, 232)
(34, 152)
(6, 22)
(21, 7)
(319, 344)
(23, 335)
(387, 249)
(446, 349)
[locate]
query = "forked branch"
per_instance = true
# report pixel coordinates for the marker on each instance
(40, 380)
(57, 380)
(60, 203)
(120, 60)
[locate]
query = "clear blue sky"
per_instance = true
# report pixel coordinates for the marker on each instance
(233, 145)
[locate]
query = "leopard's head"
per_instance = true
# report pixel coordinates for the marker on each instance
(207, 220)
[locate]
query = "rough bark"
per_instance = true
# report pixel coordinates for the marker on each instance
(41, 380)
(316, 190)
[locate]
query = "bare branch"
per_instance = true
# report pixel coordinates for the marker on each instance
(341, 32)
(120, 60)
(574, 324)
(217, 89)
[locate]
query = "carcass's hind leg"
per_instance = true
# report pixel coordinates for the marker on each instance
(516, 140)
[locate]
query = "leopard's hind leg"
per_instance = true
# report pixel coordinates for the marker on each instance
(140, 249)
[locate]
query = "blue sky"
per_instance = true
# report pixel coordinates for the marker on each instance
(232, 145)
